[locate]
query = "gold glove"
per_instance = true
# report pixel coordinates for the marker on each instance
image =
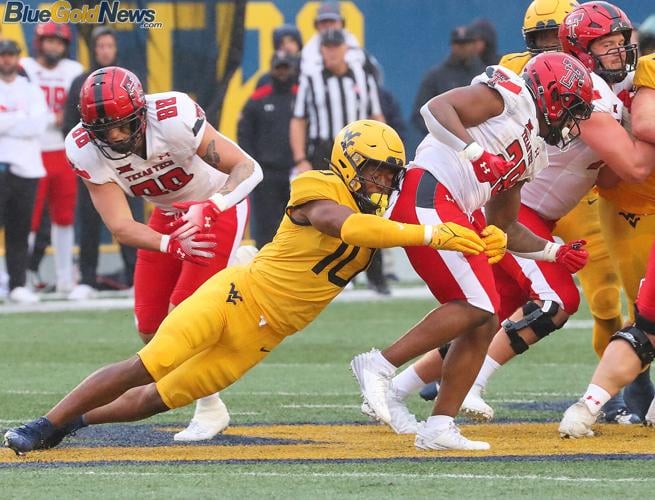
(451, 236)
(495, 240)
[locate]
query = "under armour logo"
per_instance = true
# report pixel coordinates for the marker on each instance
(631, 218)
(484, 167)
(448, 198)
(233, 295)
(208, 222)
(163, 155)
(594, 401)
(180, 254)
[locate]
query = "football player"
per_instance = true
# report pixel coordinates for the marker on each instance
(486, 140)
(633, 348)
(537, 298)
(54, 72)
(238, 316)
(160, 147)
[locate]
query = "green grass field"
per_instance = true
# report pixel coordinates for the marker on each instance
(307, 380)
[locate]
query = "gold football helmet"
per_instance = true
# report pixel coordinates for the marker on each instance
(367, 143)
(543, 15)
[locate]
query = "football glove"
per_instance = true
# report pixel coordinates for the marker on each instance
(194, 249)
(495, 241)
(572, 255)
(490, 168)
(451, 236)
(198, 216)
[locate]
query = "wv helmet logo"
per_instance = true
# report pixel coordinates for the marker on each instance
(233, 295)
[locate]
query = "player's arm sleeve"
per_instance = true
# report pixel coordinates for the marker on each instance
(371, 231)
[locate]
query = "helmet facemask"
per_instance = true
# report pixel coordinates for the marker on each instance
(628, 54)
(120, 149)
(568, 127)
(372, 202)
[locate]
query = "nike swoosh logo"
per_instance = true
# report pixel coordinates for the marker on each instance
(263, 349)
(592, 201)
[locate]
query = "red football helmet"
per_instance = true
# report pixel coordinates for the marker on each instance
(113, 97)
(562, 89)
(53, 30)
(590, 21)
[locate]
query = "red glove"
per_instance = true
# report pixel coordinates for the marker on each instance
(194, 249)
(572, 256)
(489, 167)
(199, 216)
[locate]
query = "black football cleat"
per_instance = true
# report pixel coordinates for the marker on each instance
(39, 434)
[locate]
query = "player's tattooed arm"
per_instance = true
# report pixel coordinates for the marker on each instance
(240, 172)
(211, 156)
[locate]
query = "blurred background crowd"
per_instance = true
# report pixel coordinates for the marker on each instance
(281, 89)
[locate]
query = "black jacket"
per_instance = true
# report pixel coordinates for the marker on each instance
(450, 74)
(263, 130)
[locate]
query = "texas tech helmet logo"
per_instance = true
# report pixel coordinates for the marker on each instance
(574, 77)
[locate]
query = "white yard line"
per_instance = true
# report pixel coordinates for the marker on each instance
(364, 475)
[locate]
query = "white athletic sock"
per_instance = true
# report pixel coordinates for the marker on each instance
(208, 404)
(382, 363)
(407, 382)
(595, 398)
(63, 239)
(439, 422)
(489, 366)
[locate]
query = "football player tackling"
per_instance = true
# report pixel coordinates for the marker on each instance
(242, 313)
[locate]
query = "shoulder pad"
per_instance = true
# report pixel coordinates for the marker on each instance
(645, 73)
(315, 185)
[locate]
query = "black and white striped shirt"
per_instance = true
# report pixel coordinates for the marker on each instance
(328, 102)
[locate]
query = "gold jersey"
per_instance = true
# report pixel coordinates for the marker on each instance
(636, 198)
(296, 275)
(515, 62)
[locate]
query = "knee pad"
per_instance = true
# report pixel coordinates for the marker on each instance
(639, 341)
(535, 317)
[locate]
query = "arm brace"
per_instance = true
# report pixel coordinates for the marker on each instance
(548, 254)
(224, 202)
(371, 231)
(440, 132)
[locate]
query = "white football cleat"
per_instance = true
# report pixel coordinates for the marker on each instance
(445, 439)
(474, 406)
(577, 421)
(211, 418)
(649, 419)
(245, 254)
(23, 295)
(402, 420)
(83, 292)
(373, 384)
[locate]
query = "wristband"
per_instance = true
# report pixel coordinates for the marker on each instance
(219, 200)
(163, 243)
(473, 151)
(548, 254)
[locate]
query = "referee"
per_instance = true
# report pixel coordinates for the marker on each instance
(329, 97)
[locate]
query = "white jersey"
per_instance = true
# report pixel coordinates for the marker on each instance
(55, 83)
(23, 114)
(512, 134)
(171, 172)
(572, 172)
